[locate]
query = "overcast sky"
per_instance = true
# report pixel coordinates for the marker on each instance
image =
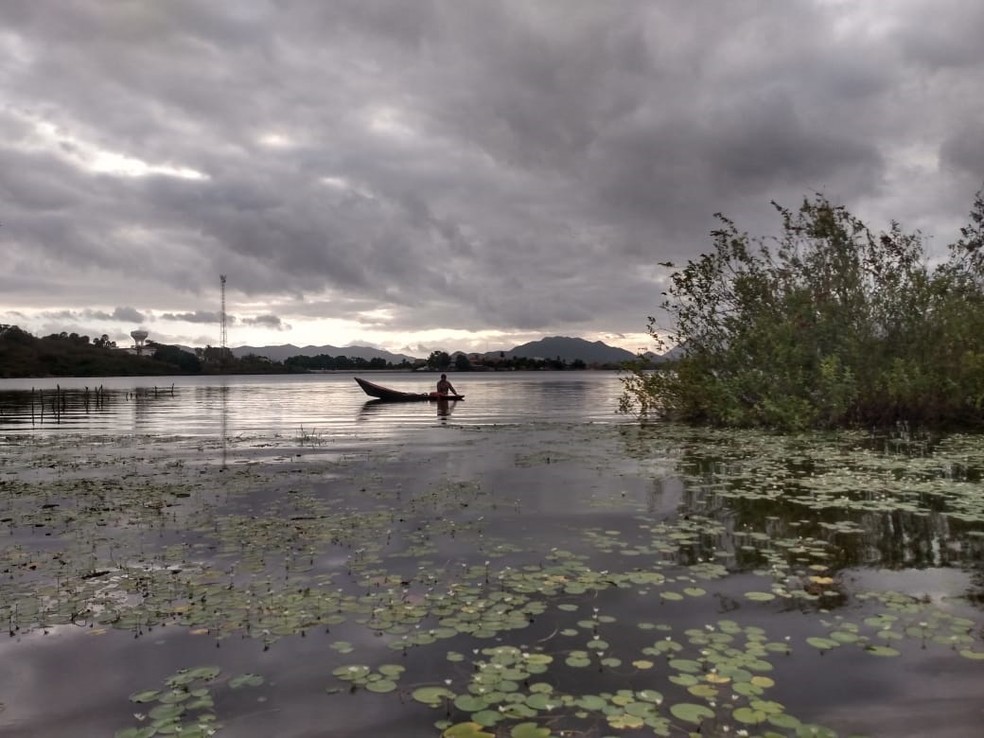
(456, 174)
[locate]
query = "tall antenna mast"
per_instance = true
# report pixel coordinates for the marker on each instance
(223, 337)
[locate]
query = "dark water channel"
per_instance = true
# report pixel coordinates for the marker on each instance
(276, 557)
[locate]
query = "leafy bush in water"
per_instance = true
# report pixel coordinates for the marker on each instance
(828, 325)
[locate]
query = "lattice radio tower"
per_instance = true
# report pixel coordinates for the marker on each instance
(223, 335)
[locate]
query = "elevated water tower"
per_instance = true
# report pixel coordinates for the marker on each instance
(139, 336)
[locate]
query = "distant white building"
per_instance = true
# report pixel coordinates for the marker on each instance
(139, 337)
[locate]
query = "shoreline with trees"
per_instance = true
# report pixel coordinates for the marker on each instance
(24, 356)
(830, 325)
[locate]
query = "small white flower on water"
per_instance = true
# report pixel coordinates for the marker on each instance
(448, 682)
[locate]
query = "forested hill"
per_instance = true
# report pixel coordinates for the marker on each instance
(71, 355)
(569, 349)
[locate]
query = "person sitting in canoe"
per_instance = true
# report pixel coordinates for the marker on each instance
(444, 387)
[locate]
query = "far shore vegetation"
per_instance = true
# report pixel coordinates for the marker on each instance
(23, 355)
(830, 325)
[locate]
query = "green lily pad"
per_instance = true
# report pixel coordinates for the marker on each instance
(689, 712)
(470, 703)
(625, 721)
(687, 666)
(381, 686)
(432, 696)
(488, 718)
(749, 716)
(246, 680)
(882, 651)
(466, 730)
(591, 702)
(529, 730)
(352, 672)
(150, 695)
(759, 596)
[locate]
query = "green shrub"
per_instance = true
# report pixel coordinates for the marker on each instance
(828, 325)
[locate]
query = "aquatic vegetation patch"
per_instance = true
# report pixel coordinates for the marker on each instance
(184, 706)
(520, 692)
(642, 619)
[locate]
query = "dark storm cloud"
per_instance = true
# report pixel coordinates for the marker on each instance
(513, 165)
(120, 314)
(123, 314)
(268, 321)
(199, 316)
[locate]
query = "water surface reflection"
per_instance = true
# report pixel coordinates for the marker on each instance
(290, 530)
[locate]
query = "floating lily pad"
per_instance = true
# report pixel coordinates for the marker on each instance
(529, 730)
(466, 730)
(591, 702)
(488, 718)
(824, 644)
(759, 596)
(689, 712)
(470, 703)
(147, 696)
(749, 716)
(246, 680)
(882, 651)
(381, 685)
(625, 721)
(432, 696)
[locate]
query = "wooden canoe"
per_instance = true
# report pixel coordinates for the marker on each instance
(391, 395)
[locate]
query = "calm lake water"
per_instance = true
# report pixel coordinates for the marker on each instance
(331, 404)
(278, 556)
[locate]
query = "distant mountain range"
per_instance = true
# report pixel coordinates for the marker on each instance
(285, 351)
(567, 349)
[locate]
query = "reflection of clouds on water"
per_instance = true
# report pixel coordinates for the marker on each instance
(224, 429)
(279, 405)
(386, 505)
(76, 681)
